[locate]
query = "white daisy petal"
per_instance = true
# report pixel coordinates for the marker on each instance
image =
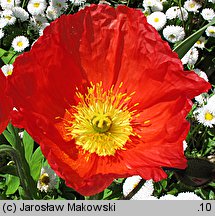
(200, 43)
(77, 2)
(173, 34)
(168, 197)
(36, 7)
(190, 57)
(192, 6)
(52, 13)
(7, 69)
(208, 14)
(19, 43)
(9, 4)
(47, 180)
(9, 17)
(144, 193)
(1, 33)
(188, 196)
(206, 115)
(201, 73)
(210, 31)
(157, 20)
(20, 13)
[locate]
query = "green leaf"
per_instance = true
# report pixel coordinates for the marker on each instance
(28, 146)
(211, 195)
(8, 57)
(12, 183)
(164, 183)
(185, 45)
(10, 138)
(35, 164)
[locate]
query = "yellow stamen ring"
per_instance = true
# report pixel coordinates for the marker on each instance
(101, 122)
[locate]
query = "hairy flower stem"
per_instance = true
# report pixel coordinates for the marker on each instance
(17, 153)
(135, 190)
(26, 181)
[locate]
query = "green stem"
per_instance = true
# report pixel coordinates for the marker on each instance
(135, 190)
(182, 16)
(26, 180)
(24, 3)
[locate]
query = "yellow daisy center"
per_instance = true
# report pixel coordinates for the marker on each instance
(156, 19)
(36, 5)
(8, 17)
(211, 31)
(9, 1)
(198, 42)
(20, 43)
(9, 72)
(192, 5)
(44, 179)
(209, 116)
(101, 122)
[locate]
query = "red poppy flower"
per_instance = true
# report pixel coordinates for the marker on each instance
(105, 98)
(5, 104)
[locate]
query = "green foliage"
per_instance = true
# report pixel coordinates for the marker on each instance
(35, 163)
(184, 46)
(28, 146)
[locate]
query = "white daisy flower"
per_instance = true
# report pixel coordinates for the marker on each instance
(157, 20)
(42, 27)
(184, 145)
(38, 21)
(104, 2)
(21, 134)
(77, 2)
(206, 115)
(173, 34)
(172, 12)
(3, 22)
(192, 6)
(7, 69)
(213, 1)
(59, 5)
(201, 73)
(155, 5)
(188, 196)
(210, 31)
(208, 14)
(145, 192)
(148, 3)
(36, 7)
(8, 16)
(201, 99)
(47, 180)
(146, 11)
(211, 101)
(52, 13)
(9, 4)
(1, 34)
(19, 43)
(168, 197)
(176, 12)
(200, 43)
(190, 57)
(20, 13)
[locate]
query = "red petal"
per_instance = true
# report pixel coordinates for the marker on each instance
(5, 104)
(96, 44)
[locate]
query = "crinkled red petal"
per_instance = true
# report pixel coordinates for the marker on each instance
(114, 46)
(5, 104)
